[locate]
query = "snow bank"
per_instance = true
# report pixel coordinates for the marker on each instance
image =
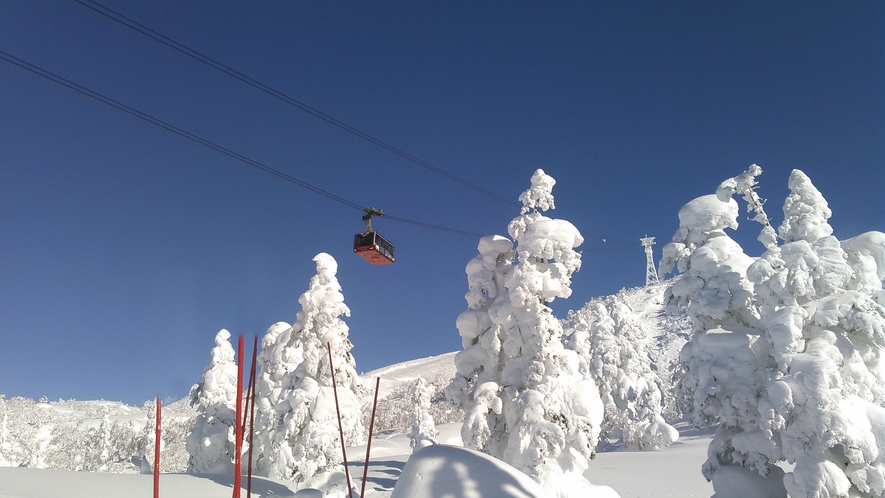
(734, 481)
(449, 471)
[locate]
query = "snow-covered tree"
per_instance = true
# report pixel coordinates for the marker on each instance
(147, 440)
(866, 255)
(725, 364)
(826, 392)
(794, 372)
(423, 431)
(277, 360)
(745, 184)
(67, 449)
(95, 452)
(613, 350)
(104, 441)
(211, 443)
(30, 433)
(296, 424)
(122, 446)
(5, 443)
(524, 398)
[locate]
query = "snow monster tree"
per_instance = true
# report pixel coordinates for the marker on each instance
(786, 352)
(825, 395)
(296, 428)
(525, 401)
(613, 350)
(211, 442)
(423, 431)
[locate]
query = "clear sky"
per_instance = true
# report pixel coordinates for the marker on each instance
(124, 248)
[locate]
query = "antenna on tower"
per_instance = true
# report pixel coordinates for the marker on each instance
(651, 274)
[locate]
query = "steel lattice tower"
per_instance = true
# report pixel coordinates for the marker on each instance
(651, 274)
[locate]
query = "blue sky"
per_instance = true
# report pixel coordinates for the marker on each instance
(124, 248)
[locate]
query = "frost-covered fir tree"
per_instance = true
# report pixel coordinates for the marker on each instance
(726, 363)
(525, 400)
(276, 362)
(98, 445)
(866, 255)
(613, 350)
(121, 440)
(147, 440)
(5, 444)
(814, 394)
(423, 431)
(825, 396)
(296, 425)
(211, 442)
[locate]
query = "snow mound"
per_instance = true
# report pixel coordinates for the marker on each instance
(733, 481)
(450, 471)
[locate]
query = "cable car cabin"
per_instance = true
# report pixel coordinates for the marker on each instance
(374, 248)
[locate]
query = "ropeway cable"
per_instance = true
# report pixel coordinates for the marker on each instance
(184, 49)
(235, 155)
(204, 142)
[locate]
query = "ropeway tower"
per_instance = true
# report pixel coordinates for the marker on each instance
(651, 274)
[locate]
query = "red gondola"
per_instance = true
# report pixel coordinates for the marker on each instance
(370, 245)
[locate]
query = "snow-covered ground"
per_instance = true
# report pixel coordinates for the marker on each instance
(670, 472)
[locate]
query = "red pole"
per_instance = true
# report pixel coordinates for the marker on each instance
(157, 449)
(340, 428)
(369, 444)
(251, 411)
(238, 425)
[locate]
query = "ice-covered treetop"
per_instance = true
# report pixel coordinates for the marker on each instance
(805, 211)
(326, 265)
(548, 239)
(545, 247)
(700, 220)
(324, 291)
(223, 352)
(540, 195)
(746, 184)
(539, 236)
(709, 212)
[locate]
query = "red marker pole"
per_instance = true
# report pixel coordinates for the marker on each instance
(157, 449)
(238, 425)
(369, 444)
(340, 428)
(251, 411)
